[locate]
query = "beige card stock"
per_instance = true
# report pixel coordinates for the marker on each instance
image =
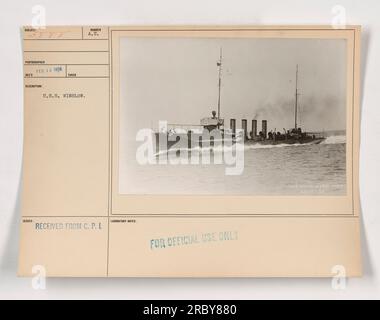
(106, 193)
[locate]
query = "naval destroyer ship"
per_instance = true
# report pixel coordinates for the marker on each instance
(215, 123)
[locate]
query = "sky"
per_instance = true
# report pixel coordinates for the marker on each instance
(176, 79)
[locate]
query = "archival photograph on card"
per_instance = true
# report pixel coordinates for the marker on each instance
(232, 116)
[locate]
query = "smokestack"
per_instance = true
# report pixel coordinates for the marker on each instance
(264, 128)
(244, 127)
(254, 128)
(233, 125)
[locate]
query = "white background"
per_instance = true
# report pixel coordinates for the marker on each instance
(14, 14)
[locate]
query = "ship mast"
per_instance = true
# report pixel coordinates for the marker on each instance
(296, 102)
(219, 64)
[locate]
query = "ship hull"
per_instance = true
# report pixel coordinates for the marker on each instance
(193, 143)
(287, 141)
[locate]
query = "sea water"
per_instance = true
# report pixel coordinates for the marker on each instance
(299, 169)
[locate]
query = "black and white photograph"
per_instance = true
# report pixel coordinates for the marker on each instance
(232, 116)
(197, 158)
